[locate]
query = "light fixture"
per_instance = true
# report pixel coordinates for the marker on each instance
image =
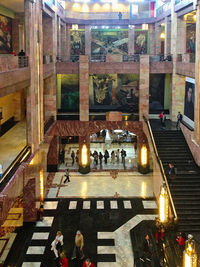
(41, 186)
(144, 155)
(74, 27)
(189, 254)
(194, 17)
(163, 205)
(84, 156)
(145, 26)
(162, 36)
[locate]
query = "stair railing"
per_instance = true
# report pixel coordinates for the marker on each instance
(161, 168)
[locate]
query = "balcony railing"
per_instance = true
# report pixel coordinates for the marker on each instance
(186, 58)
(133, 58)
(22, 62)
(157, 58)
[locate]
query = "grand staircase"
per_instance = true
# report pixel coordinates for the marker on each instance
(185, 188)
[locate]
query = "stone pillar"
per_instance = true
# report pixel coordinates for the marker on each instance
(88, 40)
(47, 25)
(157, 38)
(68, 43)
(18, 103)
(181, 36)
(58, 37)
(178, 82)
(152, 45)
(197, 80)
(131, 39)
(144, 87)
(167, 35)
(84, 88)
(33, 30)
(49, 98)
(63, 42)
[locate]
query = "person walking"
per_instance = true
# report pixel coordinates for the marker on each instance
(147, 248)
(73, 157)
(78, 247)
(106, 156)
(63, 260)
(117, 155)
(113, 156)
(96, 157)
(100, 158)
(161, 118)
(123, 155)
(179, 120)
(164, 120)
(171, 172)
(67, 176)
(57, 244)
(88, 263)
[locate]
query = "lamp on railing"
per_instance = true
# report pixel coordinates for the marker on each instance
(84, 163)
(74, 27)
(162, 36)
(163, 205)
(189, 254)
(143, 165)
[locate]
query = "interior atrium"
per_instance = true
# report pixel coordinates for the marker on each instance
(100, 133)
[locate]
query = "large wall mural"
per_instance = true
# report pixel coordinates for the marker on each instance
(190, 37)
(114, 92)
(156, 92)
(77, 42)
(141, 42)
(5, 35)
(113, 41)
(69, 92)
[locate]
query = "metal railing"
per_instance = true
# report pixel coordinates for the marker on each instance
(160, 58)
(74, 58)
(161, 168)
(98, 58)
(22, 61)
(14, 165)
(133, 58)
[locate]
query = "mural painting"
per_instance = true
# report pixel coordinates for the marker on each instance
(141, 42)
(114, 92)
(5, 35)
(109, 42)
(190, 37)
(70, 92)
(77, 42)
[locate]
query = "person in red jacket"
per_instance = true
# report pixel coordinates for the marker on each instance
(63, 260)
(88, 263)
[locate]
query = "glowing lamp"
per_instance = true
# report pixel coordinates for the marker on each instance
(144, 155)
(189, 254)
(74, 27)
(162, 36)
(163, 205)
(84, 156)
(41, 186)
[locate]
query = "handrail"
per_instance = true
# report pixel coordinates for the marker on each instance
(161, 168)
(20, 157)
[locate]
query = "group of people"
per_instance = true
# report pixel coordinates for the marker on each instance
(162, 117)
(60, 257)
(115, 155)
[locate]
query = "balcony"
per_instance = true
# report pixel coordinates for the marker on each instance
(185, 64)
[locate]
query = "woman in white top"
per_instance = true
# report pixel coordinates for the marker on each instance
(57, 240)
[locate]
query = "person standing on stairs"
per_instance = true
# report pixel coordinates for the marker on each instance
(171, 172)
(179, 120)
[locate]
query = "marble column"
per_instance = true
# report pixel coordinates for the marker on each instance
(181, 36)
(131, 38)
(197, 80)
(68, 43)
(64, 42)
(152, 45)
(88, 40)
(58, 37)
(84, 88)
(157, 38)
(144, 87)
(167, 35)
(178, 81)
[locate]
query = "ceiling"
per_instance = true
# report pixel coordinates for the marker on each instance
(15, 5)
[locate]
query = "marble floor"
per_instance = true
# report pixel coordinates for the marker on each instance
(12, 143)
(130, 162)
(102, 184)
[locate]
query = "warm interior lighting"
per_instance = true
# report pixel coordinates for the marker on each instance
(84, 156)
(32, 162)
(145, 26)
(74, 27)
(189, 255)
(162, 36)
(106, 7)
(194, 17)
(96, 7)
(163, 205)
(126, 118)
(76, 7)
(85, 8)
(41, 186)
(143, 189)
(144, 155)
